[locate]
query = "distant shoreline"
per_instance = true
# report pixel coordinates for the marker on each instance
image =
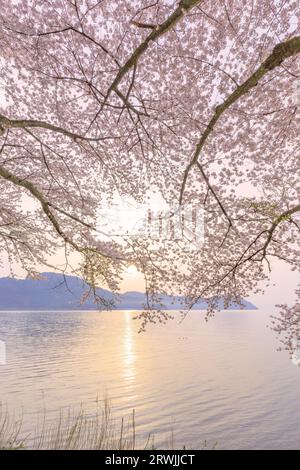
(55, 292)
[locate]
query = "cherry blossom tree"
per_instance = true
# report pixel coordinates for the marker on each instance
(194, 100)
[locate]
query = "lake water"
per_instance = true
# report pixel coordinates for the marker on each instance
(221, 381)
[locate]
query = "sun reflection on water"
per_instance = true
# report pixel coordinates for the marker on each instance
(129, 355)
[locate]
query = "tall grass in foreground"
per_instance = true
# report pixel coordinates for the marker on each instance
(10, 431)
(76, 429)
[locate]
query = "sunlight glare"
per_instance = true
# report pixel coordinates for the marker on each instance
(131, 270)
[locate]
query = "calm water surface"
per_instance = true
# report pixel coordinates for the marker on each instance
(221, 381)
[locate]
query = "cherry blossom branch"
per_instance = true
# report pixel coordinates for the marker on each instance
(242, 259)
(159, 30)
(43, 202)
(46, 205)
(138, 24)
(280, 52)
(46, 209)
(6, 123)
(211, 189)
(69, 28)
(281, 218)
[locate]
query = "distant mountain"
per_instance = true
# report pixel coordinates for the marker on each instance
(57, 292)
